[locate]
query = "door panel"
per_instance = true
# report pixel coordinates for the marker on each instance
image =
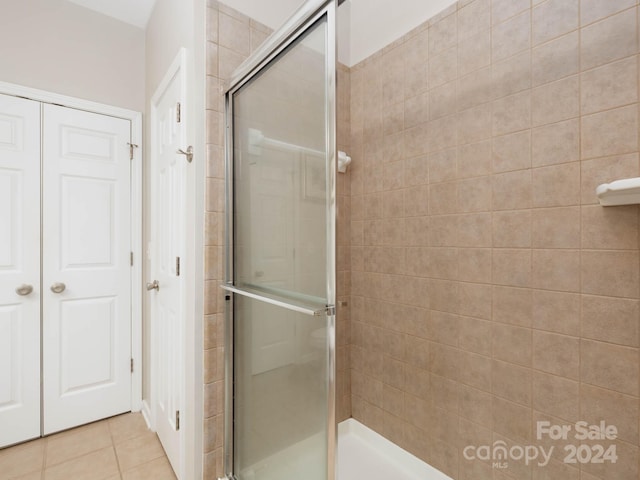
(168, 186)
(88, 331)
(87, 201)
(19, 264)
(280, 414)
(283, 262)
(86, 224)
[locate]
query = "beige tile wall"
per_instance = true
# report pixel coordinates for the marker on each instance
(489, 289)
(231, 37)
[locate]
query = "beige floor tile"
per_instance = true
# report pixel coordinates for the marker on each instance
(127, 426)
(30, 476)
(77, 442)
(138, 450)
(98, 465)
(158, 469)
(21, 459)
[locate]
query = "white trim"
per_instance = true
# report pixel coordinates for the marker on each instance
(138, 261)
(136, 210)
(146, 412)
(66, 101)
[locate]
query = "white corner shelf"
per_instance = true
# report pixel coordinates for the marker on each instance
(620, 192)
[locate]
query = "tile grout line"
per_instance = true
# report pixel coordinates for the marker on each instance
(113, 445)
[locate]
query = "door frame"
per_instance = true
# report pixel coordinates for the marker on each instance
(136, 209)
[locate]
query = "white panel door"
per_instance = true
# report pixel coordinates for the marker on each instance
(19, 266)
(167, 214)
(86, 267)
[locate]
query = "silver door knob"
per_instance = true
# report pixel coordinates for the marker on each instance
(24, 289)
(153, 286)
(58, 287)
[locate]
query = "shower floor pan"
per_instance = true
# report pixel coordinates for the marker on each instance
(364, 454)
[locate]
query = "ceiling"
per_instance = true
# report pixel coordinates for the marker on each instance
(365, 26)
(134, 12)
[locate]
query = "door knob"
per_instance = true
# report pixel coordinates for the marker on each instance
(24, 289)
(153, 286)
(58, 287)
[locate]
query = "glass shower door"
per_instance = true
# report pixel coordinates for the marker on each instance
(281, 251)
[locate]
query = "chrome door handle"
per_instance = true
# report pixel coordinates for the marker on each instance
(58, 287)
(153, 286)
(24, 289)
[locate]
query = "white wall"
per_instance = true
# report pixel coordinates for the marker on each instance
(60, 47)
(176, 24)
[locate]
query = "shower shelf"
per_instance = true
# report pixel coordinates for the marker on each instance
(620, 192)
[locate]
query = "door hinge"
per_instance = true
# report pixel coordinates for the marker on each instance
(177, 266)
(132, 365)
(178, 113)
(177, 420)
(131, 147)
(131, 259)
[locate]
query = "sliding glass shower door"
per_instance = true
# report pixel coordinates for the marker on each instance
(280, 285)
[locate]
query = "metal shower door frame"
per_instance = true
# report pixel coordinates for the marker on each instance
(297, 25)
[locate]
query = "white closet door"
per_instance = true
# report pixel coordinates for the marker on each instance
(19, 266)
(86, 267)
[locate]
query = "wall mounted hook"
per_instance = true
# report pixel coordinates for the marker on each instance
(188, 153)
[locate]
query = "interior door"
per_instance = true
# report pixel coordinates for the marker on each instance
(168, 186)
(86, 271)
(19, 270)
(281, 282)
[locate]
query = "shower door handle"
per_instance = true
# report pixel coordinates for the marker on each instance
(315, 311)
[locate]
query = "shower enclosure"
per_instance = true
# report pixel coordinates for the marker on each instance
(280, 287)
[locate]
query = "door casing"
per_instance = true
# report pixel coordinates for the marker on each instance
(136, 210)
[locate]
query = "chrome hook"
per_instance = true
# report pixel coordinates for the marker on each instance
(188, 153)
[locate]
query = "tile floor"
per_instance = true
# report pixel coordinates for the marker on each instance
(118, 448)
